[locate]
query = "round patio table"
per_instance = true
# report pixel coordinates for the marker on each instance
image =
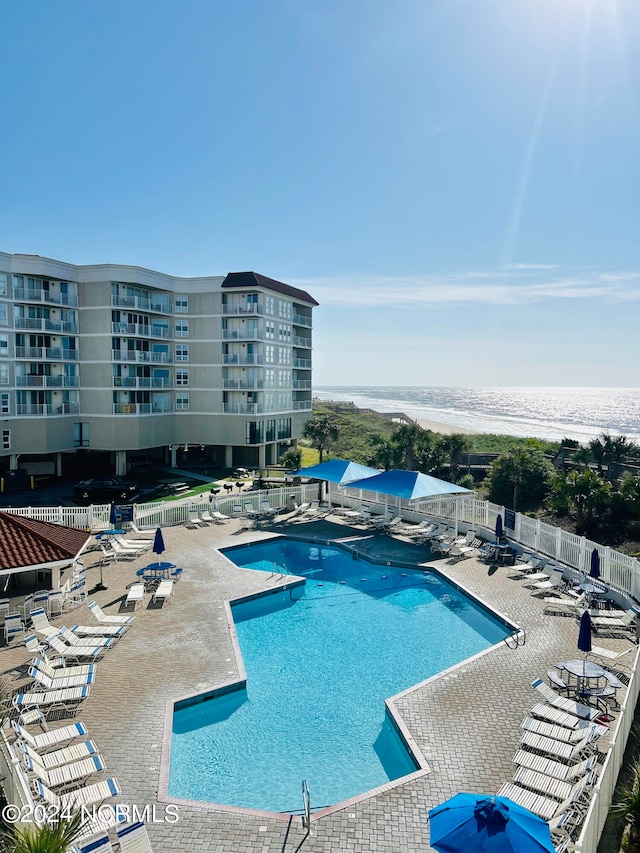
(583, 670)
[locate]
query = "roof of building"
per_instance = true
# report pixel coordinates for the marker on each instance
(27, 542)
(253, 279)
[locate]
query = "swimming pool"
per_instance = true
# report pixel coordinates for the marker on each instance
(320, 661)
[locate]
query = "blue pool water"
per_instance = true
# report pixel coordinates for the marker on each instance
(320, 661)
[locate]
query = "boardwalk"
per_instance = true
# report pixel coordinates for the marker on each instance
(466, 723)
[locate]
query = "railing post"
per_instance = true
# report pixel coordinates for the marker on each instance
(536, 537)
(583, 554)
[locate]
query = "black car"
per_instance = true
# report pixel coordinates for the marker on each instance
(104, 491)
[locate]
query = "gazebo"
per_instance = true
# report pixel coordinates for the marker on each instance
(31, 546)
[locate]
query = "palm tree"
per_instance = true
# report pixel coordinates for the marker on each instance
(455, 444)
(54, 837)
(321, 430)
(628, 807)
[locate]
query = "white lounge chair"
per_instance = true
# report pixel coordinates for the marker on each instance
(65, 755)
(543, 806)
(133, 838)
(564, 606)
(135, 595)
(555, 580)
(100, 630)
(556, 769)
(93, 640)
(67, 774)
(609, 655)
(134, 544)
(60, 683)
(560, 732)
(123, 553)
(96, 844)
(564, 704)
(615, 622)
(45, 665)
(101, 616)
(68, 699)
(75, 653)
(220, 517)
(41, 624)
(557, 748)
(52, 739)
(163, 592)
(548, 713)
(94, 794)
(547, 785)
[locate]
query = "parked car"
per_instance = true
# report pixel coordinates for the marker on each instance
(104, 491)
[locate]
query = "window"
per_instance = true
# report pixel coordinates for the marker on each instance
(81, 435)
(3, 283)
(269, 354)
(182, 377)
(284, 355)
(269, 377)
(6, 439)
(269, 305)
(4, 345)
(270, 329)
(269, 401)
(182, 352)
(4, 404)
(254, 432)
(182, 329)
(18, 282)
(3, 314)
(284, 332)
(181, 304)
(4, 374)
(182, 402)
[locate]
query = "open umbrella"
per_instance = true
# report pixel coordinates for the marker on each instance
(499, 530)
(595, 564)
(472, 823)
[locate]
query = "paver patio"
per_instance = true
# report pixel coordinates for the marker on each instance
(467, 722)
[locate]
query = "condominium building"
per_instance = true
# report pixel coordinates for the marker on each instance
(137, 364)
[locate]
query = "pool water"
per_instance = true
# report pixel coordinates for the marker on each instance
(320, 661)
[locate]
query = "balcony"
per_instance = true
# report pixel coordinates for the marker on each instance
(302, 363)
(244, 309)
(301, 342)
(28, 381)
(40, 409)
(22, 295)
(302, 405)
(243, 408)
(301, 385)
(141, 330)
(138, 303)
(243, 384)
(236, 358)
(47, 353)
(242, 335)
(142, 408)
(301, 320)
(142, 382)
(142, 356)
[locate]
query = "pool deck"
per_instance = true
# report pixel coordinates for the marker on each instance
(466, 722)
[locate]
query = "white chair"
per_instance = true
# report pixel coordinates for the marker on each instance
(135, 595)
(163, 592)
(13, 627)
(101, 616)
(53, 739)
(55, 602)
(134, 839)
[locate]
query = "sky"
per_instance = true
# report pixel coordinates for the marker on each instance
(456, 182)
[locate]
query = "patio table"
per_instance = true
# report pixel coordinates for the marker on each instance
(583, 670)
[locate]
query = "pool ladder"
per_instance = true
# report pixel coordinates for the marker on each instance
(306, 806)
(514, 641)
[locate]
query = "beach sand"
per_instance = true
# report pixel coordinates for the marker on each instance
(444, 429)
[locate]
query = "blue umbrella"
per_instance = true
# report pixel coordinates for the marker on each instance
(113, 515)
(499, 530)
(158, 542)
(584, 635)
(472, 823)
(595, 564)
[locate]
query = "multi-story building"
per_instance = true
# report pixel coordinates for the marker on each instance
(124, 360)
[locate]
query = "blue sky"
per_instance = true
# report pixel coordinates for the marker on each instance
(457, 182)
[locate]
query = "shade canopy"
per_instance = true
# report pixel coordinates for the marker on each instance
(338, 471)
(595, 564)
(471, 823)
(158, 542)
(409, 485)
(584, 635)
(499, 529)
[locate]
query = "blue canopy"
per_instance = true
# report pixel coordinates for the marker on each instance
(338, 471)
(473, 823)
(409, 485)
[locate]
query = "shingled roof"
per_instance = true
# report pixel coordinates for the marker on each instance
(27, 542)
(247, 280)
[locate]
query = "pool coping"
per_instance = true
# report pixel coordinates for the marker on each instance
(240, 682)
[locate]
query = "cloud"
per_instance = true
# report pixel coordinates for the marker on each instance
(531, 266)
(472, 287)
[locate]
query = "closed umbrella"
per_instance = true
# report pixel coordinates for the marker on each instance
(499, 530)
(113, 515)
(584, 635)
(473, 823)
(158, 542)
(595, 564)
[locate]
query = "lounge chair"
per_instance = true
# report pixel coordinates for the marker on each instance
(93, 640)
(220, 517)
(557, 748)
(540, 782)
(568, 705)
(61, 682)
(546, 807)
(622, 621)
(45, 665)
(609, 655)
(163, 592)
(134, 544)
(194, 521)
(135, 594)
(32, 645)
(65, 755)
(548, 713)
(75, 653)
(134, 527)
(93, 794)
(101, 616)
(207, 517)
(134, 839)
(96, 844)
(560, 732)
(52, 739)
(67, 774)
(123, 553)
(556, 769)
(554, 581)
(523, 569)
(41, 624)
(67, 698)
(100, 630)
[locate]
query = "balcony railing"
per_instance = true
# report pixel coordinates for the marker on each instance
(47, 381)
(301, 385)
(42, 324)
(142, 408)
(303, 363)
(141, 330)
(301, 320)
(301, 405)
(237, 358)
(243, 308)
(142, 356)
(41, 353)
(47, 409)
(22, 295)
(142, 382)
(140, 304)
(243, 384)
(242, 408)
(242, 335)
(301, 342)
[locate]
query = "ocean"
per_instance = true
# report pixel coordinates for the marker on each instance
(551, 413)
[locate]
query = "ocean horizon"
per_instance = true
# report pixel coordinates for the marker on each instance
(536, 412)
